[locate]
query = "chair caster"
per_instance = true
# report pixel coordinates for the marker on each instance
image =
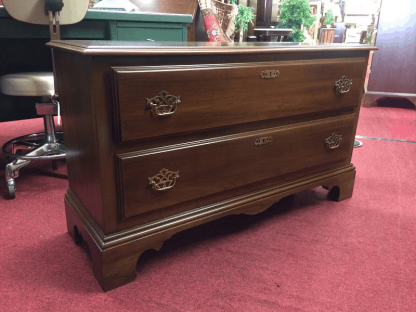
(11, 188)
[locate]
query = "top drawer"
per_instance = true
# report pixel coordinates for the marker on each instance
(153, 101)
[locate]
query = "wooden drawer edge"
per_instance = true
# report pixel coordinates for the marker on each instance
(138, 69)
(168, 148)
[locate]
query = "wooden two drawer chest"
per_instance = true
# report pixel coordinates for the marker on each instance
(161, 138)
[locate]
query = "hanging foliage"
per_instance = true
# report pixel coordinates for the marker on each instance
(245, 16)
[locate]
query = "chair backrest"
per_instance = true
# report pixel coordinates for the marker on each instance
(33, 11)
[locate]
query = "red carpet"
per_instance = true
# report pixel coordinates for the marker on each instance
(303, 254)
(388, 123)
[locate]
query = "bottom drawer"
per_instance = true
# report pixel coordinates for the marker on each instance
(161, 177)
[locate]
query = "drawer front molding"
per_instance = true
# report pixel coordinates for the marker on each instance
(219, 95)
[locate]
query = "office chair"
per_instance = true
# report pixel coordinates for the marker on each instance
(23, 150)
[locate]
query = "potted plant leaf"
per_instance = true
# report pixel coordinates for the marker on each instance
(244, 17)
(294, 14)
(329, 19)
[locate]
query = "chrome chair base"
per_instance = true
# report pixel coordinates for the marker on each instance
(11, 188)
(23, 150)
(357, 143)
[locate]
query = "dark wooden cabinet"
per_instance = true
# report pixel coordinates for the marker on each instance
(264, 13)
(161, 138)
(326, 35)
(339, 32)
(393, 69)
(25, 43)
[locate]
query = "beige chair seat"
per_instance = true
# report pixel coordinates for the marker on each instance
(28, 84)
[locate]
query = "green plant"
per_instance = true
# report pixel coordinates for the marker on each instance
(329, 17)
(245, 15)
(294, 13)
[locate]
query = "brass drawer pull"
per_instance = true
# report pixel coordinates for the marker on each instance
(267, 74)
(164, 180)
(343, 85)
(164, 103)
(333, 141)
(263, 140)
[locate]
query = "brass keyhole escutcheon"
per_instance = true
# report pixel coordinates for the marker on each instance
(268, 74)
(263, 140)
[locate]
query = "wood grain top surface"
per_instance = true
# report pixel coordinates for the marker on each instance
(96, 47)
